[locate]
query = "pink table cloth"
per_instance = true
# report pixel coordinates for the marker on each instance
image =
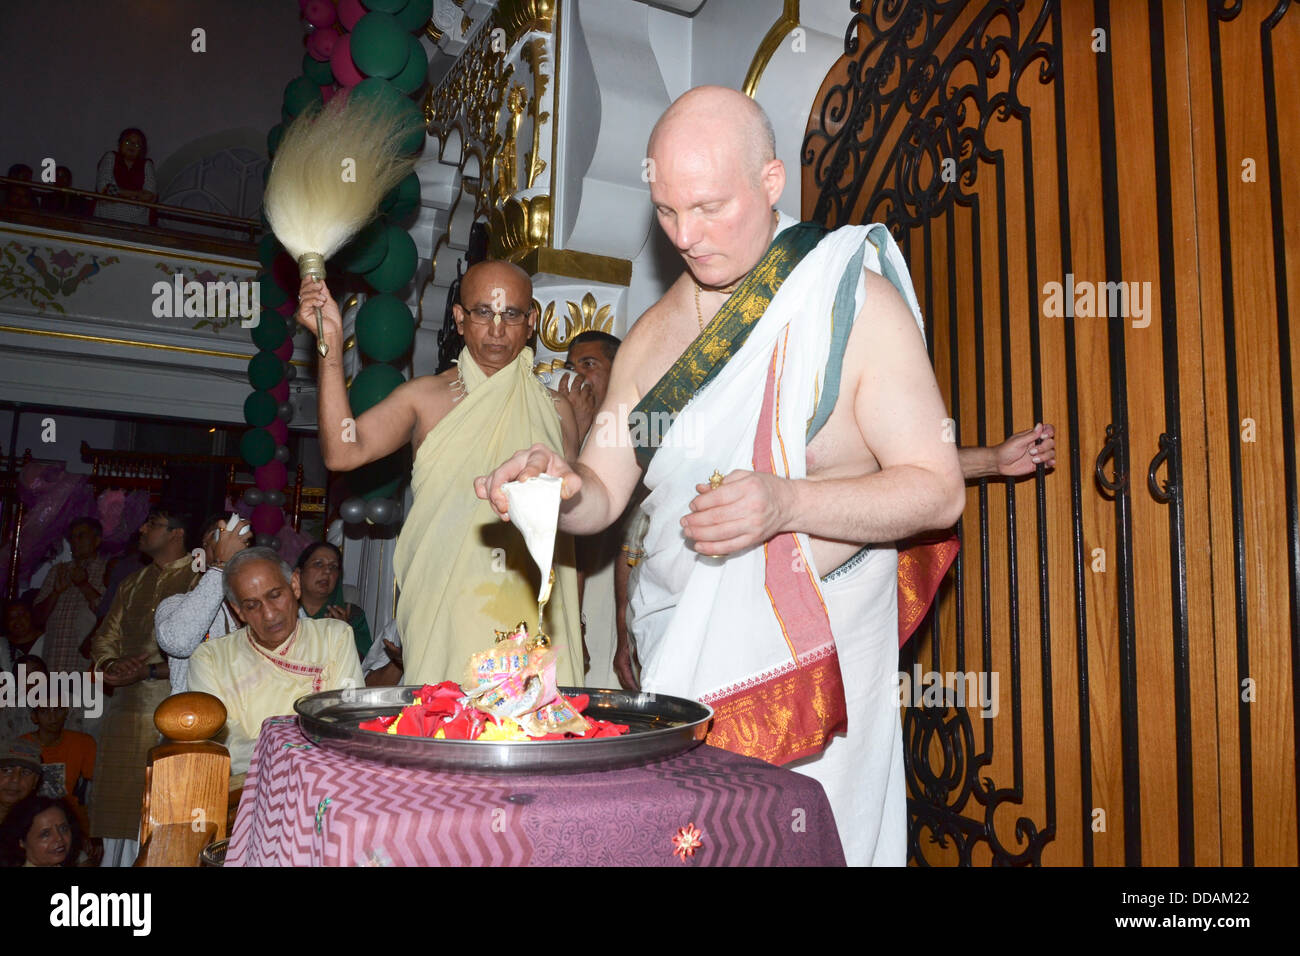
(304, 805)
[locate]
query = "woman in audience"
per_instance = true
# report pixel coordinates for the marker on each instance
(320, 572)
(39, 831)
(127, 172)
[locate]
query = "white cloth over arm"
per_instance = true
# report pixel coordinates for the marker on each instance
(182, 621)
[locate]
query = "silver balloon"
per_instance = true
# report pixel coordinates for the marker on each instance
(265, 541)
(381, 510)
(275, 498)
(282, 453)
(353, 511)
(254, 497)
(284, 411)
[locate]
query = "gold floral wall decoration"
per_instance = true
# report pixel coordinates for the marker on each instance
(558, 330)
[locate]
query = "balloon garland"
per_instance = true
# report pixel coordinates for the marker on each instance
(366, 48)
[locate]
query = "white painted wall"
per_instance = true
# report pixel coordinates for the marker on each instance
(76, 72)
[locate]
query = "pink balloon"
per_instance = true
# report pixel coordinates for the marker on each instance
(289, 308)
(285, 350)
(345, 71)
(319, 13)
(279, 430)
(327, 93)
(267, 519)
(280, 390)
(350, 11)
(272, 476)
(321, 44)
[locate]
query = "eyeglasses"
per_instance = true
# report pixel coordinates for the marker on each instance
(483, 314)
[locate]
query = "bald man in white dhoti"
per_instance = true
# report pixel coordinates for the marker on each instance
(790, 363)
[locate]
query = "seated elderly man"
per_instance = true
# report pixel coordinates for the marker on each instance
(462, 573)
(277, 657)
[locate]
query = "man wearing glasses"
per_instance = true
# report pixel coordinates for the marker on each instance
(462, 572)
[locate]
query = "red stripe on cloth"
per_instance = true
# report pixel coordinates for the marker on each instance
(792, 711)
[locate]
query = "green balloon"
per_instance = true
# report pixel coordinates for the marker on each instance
(271, 331)
(268, 247)
(273, 140)
(388, 98)
(399, 262)
(372, 385)
(415, 15)
(299, 93)
(385, 328)
(265, 371)
(378, 45)
(366, 250)
(259, 409)
(383, 6)
(318, 71)
(416, 70)
(285, 118)
(407, 192)
(257, 447)
(408, 198)
(272, 296)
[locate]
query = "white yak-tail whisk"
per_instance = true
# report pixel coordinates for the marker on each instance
(333, 167)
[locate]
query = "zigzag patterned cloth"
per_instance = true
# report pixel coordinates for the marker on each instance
(307, 806)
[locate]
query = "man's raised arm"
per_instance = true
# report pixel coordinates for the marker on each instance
(346, 442)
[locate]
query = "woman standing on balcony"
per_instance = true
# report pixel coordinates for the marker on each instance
(127, 172)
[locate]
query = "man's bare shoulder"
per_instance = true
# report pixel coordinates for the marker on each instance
(432, 397)
(659, 317)
(885, 312)
(656, 339)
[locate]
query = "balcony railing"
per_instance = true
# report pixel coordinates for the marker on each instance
(238, 239)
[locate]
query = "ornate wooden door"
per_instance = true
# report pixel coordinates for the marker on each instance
(1095, 203)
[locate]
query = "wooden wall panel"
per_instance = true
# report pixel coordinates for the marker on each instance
(1118, 687)
(1252, 533)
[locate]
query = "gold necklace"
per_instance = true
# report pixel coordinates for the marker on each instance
(725, 290)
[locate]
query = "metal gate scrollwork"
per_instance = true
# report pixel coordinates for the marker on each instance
(904, 116)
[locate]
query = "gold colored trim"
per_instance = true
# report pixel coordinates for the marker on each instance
(518, 226)
(787, 21)
(432, 32)
(578, 265)
(519, 17)
(135, 343)
(149, 250)
(556, 36)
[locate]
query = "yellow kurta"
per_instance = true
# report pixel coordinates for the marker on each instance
(128, 729)
(463, 572)
(255, 683)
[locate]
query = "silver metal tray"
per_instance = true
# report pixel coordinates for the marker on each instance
(658, 726)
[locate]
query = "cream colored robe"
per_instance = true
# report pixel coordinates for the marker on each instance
(463, 572)
(255, 683)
